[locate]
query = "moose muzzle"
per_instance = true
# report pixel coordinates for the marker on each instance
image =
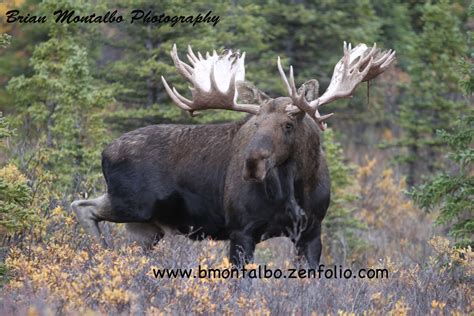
(258, 160)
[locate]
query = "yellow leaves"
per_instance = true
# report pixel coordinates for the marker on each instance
(154, 311)
(59, 216)
(9, 5)
(32, 311)
(400, 309)
(121, 281)
(389, 264)
(387, 135)
(440, 244)
(437, 305)
(115, 296)
(84, 255)
(344, 313)
(66, 273)
(244, 302)
(12, 175)
(377, 299)
(14, 284)
(69, 220)
(366, 170)
(225, 263)
(251, 266)
(450, 257)
(57, 212)
(383, 203)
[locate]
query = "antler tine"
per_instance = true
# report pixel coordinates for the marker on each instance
(299, 100)
(181, 98)
(232, 87)
(213, 81)
(389, 60)
(172, 95)
(292, 81)
(191, 57)
(363, 60)
(283, 75)
(382, 59)
(184, 69)
(380, 65)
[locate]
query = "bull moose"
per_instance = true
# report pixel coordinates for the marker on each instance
(244, 181)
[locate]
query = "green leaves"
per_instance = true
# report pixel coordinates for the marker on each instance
(431, 100)
(15, 197)
(4, 40)
(60, 108)
(15, 194)
(5, 130)
(341, 224)
(453, 192)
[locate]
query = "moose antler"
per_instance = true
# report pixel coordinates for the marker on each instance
(357, 65)
(213, 81)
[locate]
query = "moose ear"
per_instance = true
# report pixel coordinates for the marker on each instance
(311, 90)
(249, 93)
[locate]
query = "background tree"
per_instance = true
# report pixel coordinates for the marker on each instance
(433, 97)
(60, 107)
(15, 194)
(14, 58)
(341, 226)
(453, 189)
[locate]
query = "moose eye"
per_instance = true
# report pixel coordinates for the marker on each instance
(289, 126)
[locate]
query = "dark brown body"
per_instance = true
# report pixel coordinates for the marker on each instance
(244, 181)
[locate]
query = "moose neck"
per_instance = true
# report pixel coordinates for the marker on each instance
(279, 182)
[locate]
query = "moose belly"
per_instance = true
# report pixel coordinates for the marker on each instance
(191, 214)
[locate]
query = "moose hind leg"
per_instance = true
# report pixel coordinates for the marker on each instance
(90, 212)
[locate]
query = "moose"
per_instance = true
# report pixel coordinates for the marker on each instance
(245, 181)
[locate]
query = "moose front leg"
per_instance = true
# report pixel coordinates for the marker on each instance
(242, 247)
(311, 246)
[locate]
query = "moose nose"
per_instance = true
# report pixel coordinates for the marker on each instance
(255, 166)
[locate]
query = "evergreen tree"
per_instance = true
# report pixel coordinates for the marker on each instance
(4, 40)
(15, 194)
(341, 226)
(60, 106)
(14, 58)
(453, 191)
(433, 97)
(310, 34)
